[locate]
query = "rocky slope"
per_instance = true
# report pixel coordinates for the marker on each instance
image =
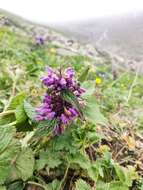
(65, 45)
(69, 43)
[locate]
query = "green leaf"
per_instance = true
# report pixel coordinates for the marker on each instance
(6, 119)
(65, 142)
(45, 128)
(18, 185)
(102, 186)
(84, 74)
(82, 185)
(89, 86)
(125, 175)
(30, 111)
(25, 126)
(113, 185)
(9, 147)
(49, 158)
(120, 172)
(20, 114)
(93, 173)
(2, 188)
(25, 164)
(17, 100)
(55, 185)
(92, 111)
(80, 159)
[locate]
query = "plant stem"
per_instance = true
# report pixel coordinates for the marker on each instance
(6, 113)
(63, 180)
(11, 124)
(36, 184)
(132, 86)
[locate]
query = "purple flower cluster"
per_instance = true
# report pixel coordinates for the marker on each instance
(54, 106)
(39, 40)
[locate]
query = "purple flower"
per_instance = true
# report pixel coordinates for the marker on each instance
(39, 118)
(54, 106)
(63, 82)
(39, 40)
(64, 119)
(69, 72)
(73, 112)
(50, 115)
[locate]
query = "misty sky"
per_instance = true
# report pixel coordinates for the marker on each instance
(58, 11)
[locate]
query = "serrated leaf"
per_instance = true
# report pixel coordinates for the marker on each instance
(55, 185)
(18, 185)
(20, 114)
(93, 173)
(102, 186)
(125, 175)
(80, 159)
(114, 185)
(30, 111)
(65, 142)
(22, 117)
(49, 158)
(120, 172)
(44, 128)
(82, 185)
(17, 100)
(9, 147)
(25, 164)
(92, 111)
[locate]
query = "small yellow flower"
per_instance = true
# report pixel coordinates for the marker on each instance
(34, 92)
(103, 148)
(53, 50)
(98, 80)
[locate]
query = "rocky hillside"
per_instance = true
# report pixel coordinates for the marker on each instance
(68, 43)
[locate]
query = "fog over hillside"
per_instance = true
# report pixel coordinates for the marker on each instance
(121, 35)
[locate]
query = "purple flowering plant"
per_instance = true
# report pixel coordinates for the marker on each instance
(62, 101)
(39, 40)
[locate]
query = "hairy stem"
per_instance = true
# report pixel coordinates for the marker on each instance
(8, 112)
(36, 184)
(64, 178)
